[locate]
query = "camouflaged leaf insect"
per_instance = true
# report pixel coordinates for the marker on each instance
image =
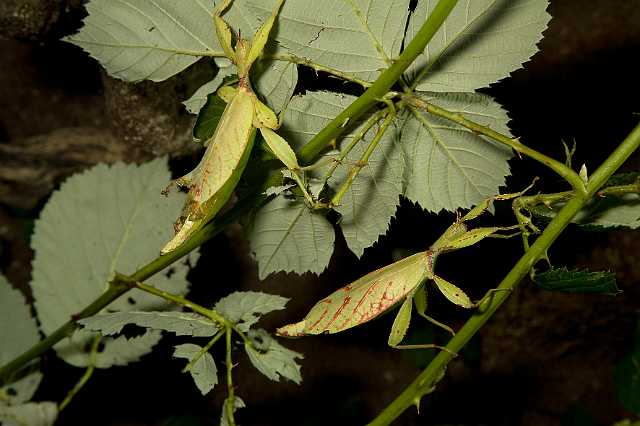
(378, 291)
(213, 180)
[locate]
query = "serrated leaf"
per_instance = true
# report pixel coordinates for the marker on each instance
(203, 370)
(317, 31)
(626, 378)
(481, 42)
(371, 201)
(286, 235)
(244, 308)
(272, 359)
(237, 403)
(447, 165)
(138, 40)
(180, 323)
(106, 219)
(30, 414)
(195, 103)
(18, 333)
(577, 281)
(611, 212)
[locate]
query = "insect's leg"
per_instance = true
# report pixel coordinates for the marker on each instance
(437, 323)
(489, 295)
(223, 31)
(425, 346)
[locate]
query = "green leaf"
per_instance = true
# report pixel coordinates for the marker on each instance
(208, 119)
(272, 359)
(203, 370)
(237, 403)
(245, 308)
(286, 235)
(611, 212)
(627, 382)
(577, 281)
(317, 31)
(180, 323)
(201, 96)
(138, 40)
(275, 82)
(30, 414)
(18, 333)
(481, 42)
(371, 201)
(106, 219)
(447, 165)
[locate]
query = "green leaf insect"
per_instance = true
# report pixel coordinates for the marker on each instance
(213, 180)
(380, 290)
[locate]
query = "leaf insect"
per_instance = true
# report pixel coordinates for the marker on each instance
(213, 180)
(380, 290)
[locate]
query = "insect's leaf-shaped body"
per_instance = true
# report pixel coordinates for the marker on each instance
(364, 299)
(213, 180)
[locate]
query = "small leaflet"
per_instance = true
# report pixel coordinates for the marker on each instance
(272, 359)
(246, 307)
(203, 370)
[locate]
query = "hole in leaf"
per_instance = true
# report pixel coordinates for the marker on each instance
(101, 347)
(170, 272)
(131, 301)
(131, 331)
(11, 391)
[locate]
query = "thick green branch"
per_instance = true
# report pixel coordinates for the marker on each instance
(425, 382)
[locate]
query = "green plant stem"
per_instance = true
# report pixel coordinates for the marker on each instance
(425, 382)
(382, 85)
(181, 301)
(91, 366)
(514, 143)
(355, 170)
(204, 350)
(229, 406)
(309, 151)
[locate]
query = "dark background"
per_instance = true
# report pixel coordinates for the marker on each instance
(544, 359)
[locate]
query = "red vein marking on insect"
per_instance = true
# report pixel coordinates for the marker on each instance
(324, 313)
(345, 302)
(366, 294)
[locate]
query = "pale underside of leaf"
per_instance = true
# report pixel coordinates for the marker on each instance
(367, 297)
(371, 201)
(180, 323)
(287, 236)
(91, 228)
(244, 308)
(199, 98)
(18, 333)
(481, 42)
(151, 39)
(30, 414)
(272, 359)
(317, 31)
(237, 403)
(203, 371)
(447, 165)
